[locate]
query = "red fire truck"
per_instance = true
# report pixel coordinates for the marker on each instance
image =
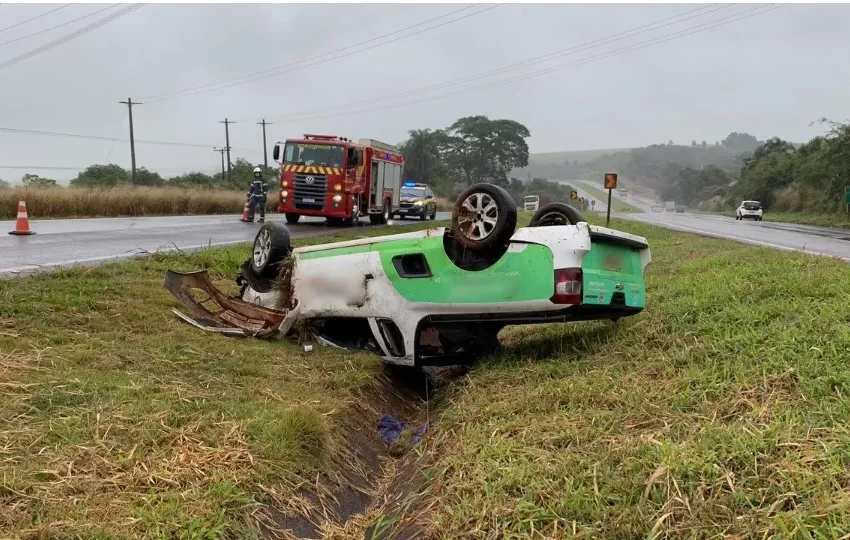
(339, 179)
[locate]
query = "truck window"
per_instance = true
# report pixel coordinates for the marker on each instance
(314, 154)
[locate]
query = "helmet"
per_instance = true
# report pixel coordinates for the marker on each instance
(257, 172)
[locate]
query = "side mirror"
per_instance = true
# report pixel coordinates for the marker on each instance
(276, 152)
(352, 158)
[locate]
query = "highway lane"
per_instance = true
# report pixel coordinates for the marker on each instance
(786, 236)
(69, 242)
(826, 241)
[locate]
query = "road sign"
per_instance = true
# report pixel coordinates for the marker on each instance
(610, 180)
(573, 195)
(593, 202)
(847, 194)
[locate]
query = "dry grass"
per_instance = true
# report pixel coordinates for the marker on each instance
(139, 201)
(118, 420)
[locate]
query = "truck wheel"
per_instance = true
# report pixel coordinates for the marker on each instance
(292, 218)
(271, 246)
(484, 216)
(556, 214)
(383, 217)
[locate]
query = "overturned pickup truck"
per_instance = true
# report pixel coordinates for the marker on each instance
(437, 296)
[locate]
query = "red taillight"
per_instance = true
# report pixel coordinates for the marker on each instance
(567, 286)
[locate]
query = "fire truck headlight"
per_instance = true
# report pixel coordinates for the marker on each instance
(337, 187)
(337, 198)
(284, 193)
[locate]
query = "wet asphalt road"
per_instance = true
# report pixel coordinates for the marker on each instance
(69, 242)
(826, 241)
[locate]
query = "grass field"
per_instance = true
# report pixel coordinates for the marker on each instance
(720, 411)
(139, 201)
(118, 202)
(117, 419)
(617, 205)
(821, 220)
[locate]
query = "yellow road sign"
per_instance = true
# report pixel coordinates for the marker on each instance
(610, 180)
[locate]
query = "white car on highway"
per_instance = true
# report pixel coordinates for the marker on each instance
(750, 209)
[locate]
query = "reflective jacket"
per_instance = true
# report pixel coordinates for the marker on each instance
(259, 188)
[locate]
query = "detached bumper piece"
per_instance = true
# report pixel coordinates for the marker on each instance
(215, 312)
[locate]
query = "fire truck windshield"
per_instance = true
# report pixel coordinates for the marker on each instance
(314, 154)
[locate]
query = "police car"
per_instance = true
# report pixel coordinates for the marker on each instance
(416, 200)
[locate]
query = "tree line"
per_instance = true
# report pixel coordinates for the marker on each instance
(472, 150)
(112, 175)
(780, 174)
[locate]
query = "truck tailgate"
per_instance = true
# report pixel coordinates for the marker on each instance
(612, 272)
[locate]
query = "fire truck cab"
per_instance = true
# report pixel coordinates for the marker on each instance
(339, 179)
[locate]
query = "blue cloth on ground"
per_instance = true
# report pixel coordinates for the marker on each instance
(391, 429)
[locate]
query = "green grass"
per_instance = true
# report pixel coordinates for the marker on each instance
(118, 420)
(617, 205)
(821, 220)
(721, 411)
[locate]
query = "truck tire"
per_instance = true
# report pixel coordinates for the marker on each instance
(271, 246)
(292, 218)
(556, 214)
(484, 216)
(383, 217)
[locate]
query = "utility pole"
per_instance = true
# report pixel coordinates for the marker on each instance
(227, 143)
(221, 151)
(129, 103)
(265, 146)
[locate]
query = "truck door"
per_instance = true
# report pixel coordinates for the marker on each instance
(377, 177)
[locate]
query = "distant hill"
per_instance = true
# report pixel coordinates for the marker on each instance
(582, 156)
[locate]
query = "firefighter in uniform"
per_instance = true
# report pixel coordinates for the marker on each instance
(258, 192)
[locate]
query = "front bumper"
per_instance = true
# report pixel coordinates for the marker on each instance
(411, 211)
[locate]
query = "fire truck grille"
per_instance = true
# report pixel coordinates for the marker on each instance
(310, 195)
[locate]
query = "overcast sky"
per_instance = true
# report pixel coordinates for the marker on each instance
(770, 75)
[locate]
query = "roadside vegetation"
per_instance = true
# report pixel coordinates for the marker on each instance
(119, 420)
(720, 411)
(838, 219)
(45, 203)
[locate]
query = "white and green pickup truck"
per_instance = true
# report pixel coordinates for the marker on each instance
(437, 296)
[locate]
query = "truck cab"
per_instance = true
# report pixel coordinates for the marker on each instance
(339, 179)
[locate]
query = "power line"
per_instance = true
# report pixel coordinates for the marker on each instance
(656, 25)
(157, 97)
(63, 6)
(92, 14)
(68, 37)
(616, 52)
(60, 168)
(110, 139)
(285, 68)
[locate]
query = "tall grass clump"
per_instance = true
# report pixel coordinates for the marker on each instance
(121, 202)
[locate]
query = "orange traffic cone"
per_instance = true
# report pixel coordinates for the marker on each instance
(245, 212)
(22, 224)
